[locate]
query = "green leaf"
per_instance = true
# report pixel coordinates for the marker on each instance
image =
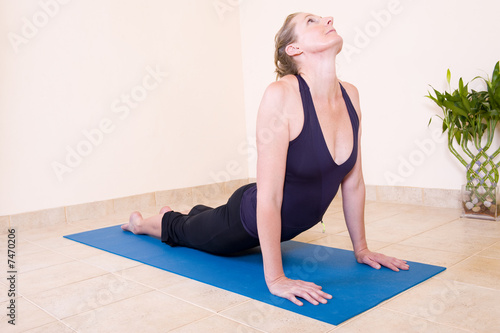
(458, 111)
(495, 77)
(458, 136)
(448, 77)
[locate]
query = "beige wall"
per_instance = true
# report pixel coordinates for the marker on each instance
(393, 49)
(149, 94)
(160, 95)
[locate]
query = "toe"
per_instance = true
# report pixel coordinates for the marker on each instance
(165, 209)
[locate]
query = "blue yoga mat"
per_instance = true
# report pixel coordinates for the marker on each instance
(355, 287)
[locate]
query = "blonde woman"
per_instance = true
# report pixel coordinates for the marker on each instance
(308, 145)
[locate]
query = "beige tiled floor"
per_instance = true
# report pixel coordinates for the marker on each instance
(64, 286)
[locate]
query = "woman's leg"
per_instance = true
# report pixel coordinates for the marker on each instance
(215, 230)
(150, 226)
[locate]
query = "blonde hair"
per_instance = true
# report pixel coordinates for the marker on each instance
(286, 35)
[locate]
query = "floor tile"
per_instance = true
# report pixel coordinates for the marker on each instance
(149, 312)
(28, 316)
(381, 320)
(379, 210)
(491, 252)
(204, 295)
(51, 328)
(474, 227)
(423, 255)
(400, 226)
(91, 224)
(215, 324)
(43, 279)
(151, 276)
(451, 303)
(344, 242)
(272, 319)
(110, 262)
(77, 250)
(4, 291)
(309, 236)
(390, 232)
(332, 225)
(50, 232)
(37, 260)
(451, 237)
(55, 242)
(476, 270)
(60, 278)
(24, 247)
(49, 237)
(82, 296)
(437, 215)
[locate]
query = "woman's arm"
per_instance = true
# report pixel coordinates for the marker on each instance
(353, 202)
(272, 147)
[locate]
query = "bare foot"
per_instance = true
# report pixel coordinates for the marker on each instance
(165, 209)
(134, 223)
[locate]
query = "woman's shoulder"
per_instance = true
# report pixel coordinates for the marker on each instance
(351, 89)
(282, 91)
(353, 93)
(285, 85)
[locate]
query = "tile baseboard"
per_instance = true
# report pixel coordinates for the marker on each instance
(181, 199)
(185, 198)
(414, 196)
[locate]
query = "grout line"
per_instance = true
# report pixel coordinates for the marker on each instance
(438, 277)
(428, 320)
(66, 218)
(423, 232)
(47, 312)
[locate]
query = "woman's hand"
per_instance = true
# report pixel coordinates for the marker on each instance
(289, 289)
(376, 260)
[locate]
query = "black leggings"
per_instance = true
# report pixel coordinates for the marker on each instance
(215, 230)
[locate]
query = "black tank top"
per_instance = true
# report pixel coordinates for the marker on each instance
(312, 177)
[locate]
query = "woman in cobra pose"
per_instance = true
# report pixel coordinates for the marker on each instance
(308, 145)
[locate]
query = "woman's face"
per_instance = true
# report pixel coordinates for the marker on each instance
(316, 34)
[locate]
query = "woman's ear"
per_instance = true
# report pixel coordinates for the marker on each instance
(293, 50)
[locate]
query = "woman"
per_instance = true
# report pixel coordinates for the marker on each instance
(308, 140)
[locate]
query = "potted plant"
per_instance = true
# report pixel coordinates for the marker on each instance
(470, 117)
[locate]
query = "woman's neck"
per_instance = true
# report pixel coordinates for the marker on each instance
(320, 74)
